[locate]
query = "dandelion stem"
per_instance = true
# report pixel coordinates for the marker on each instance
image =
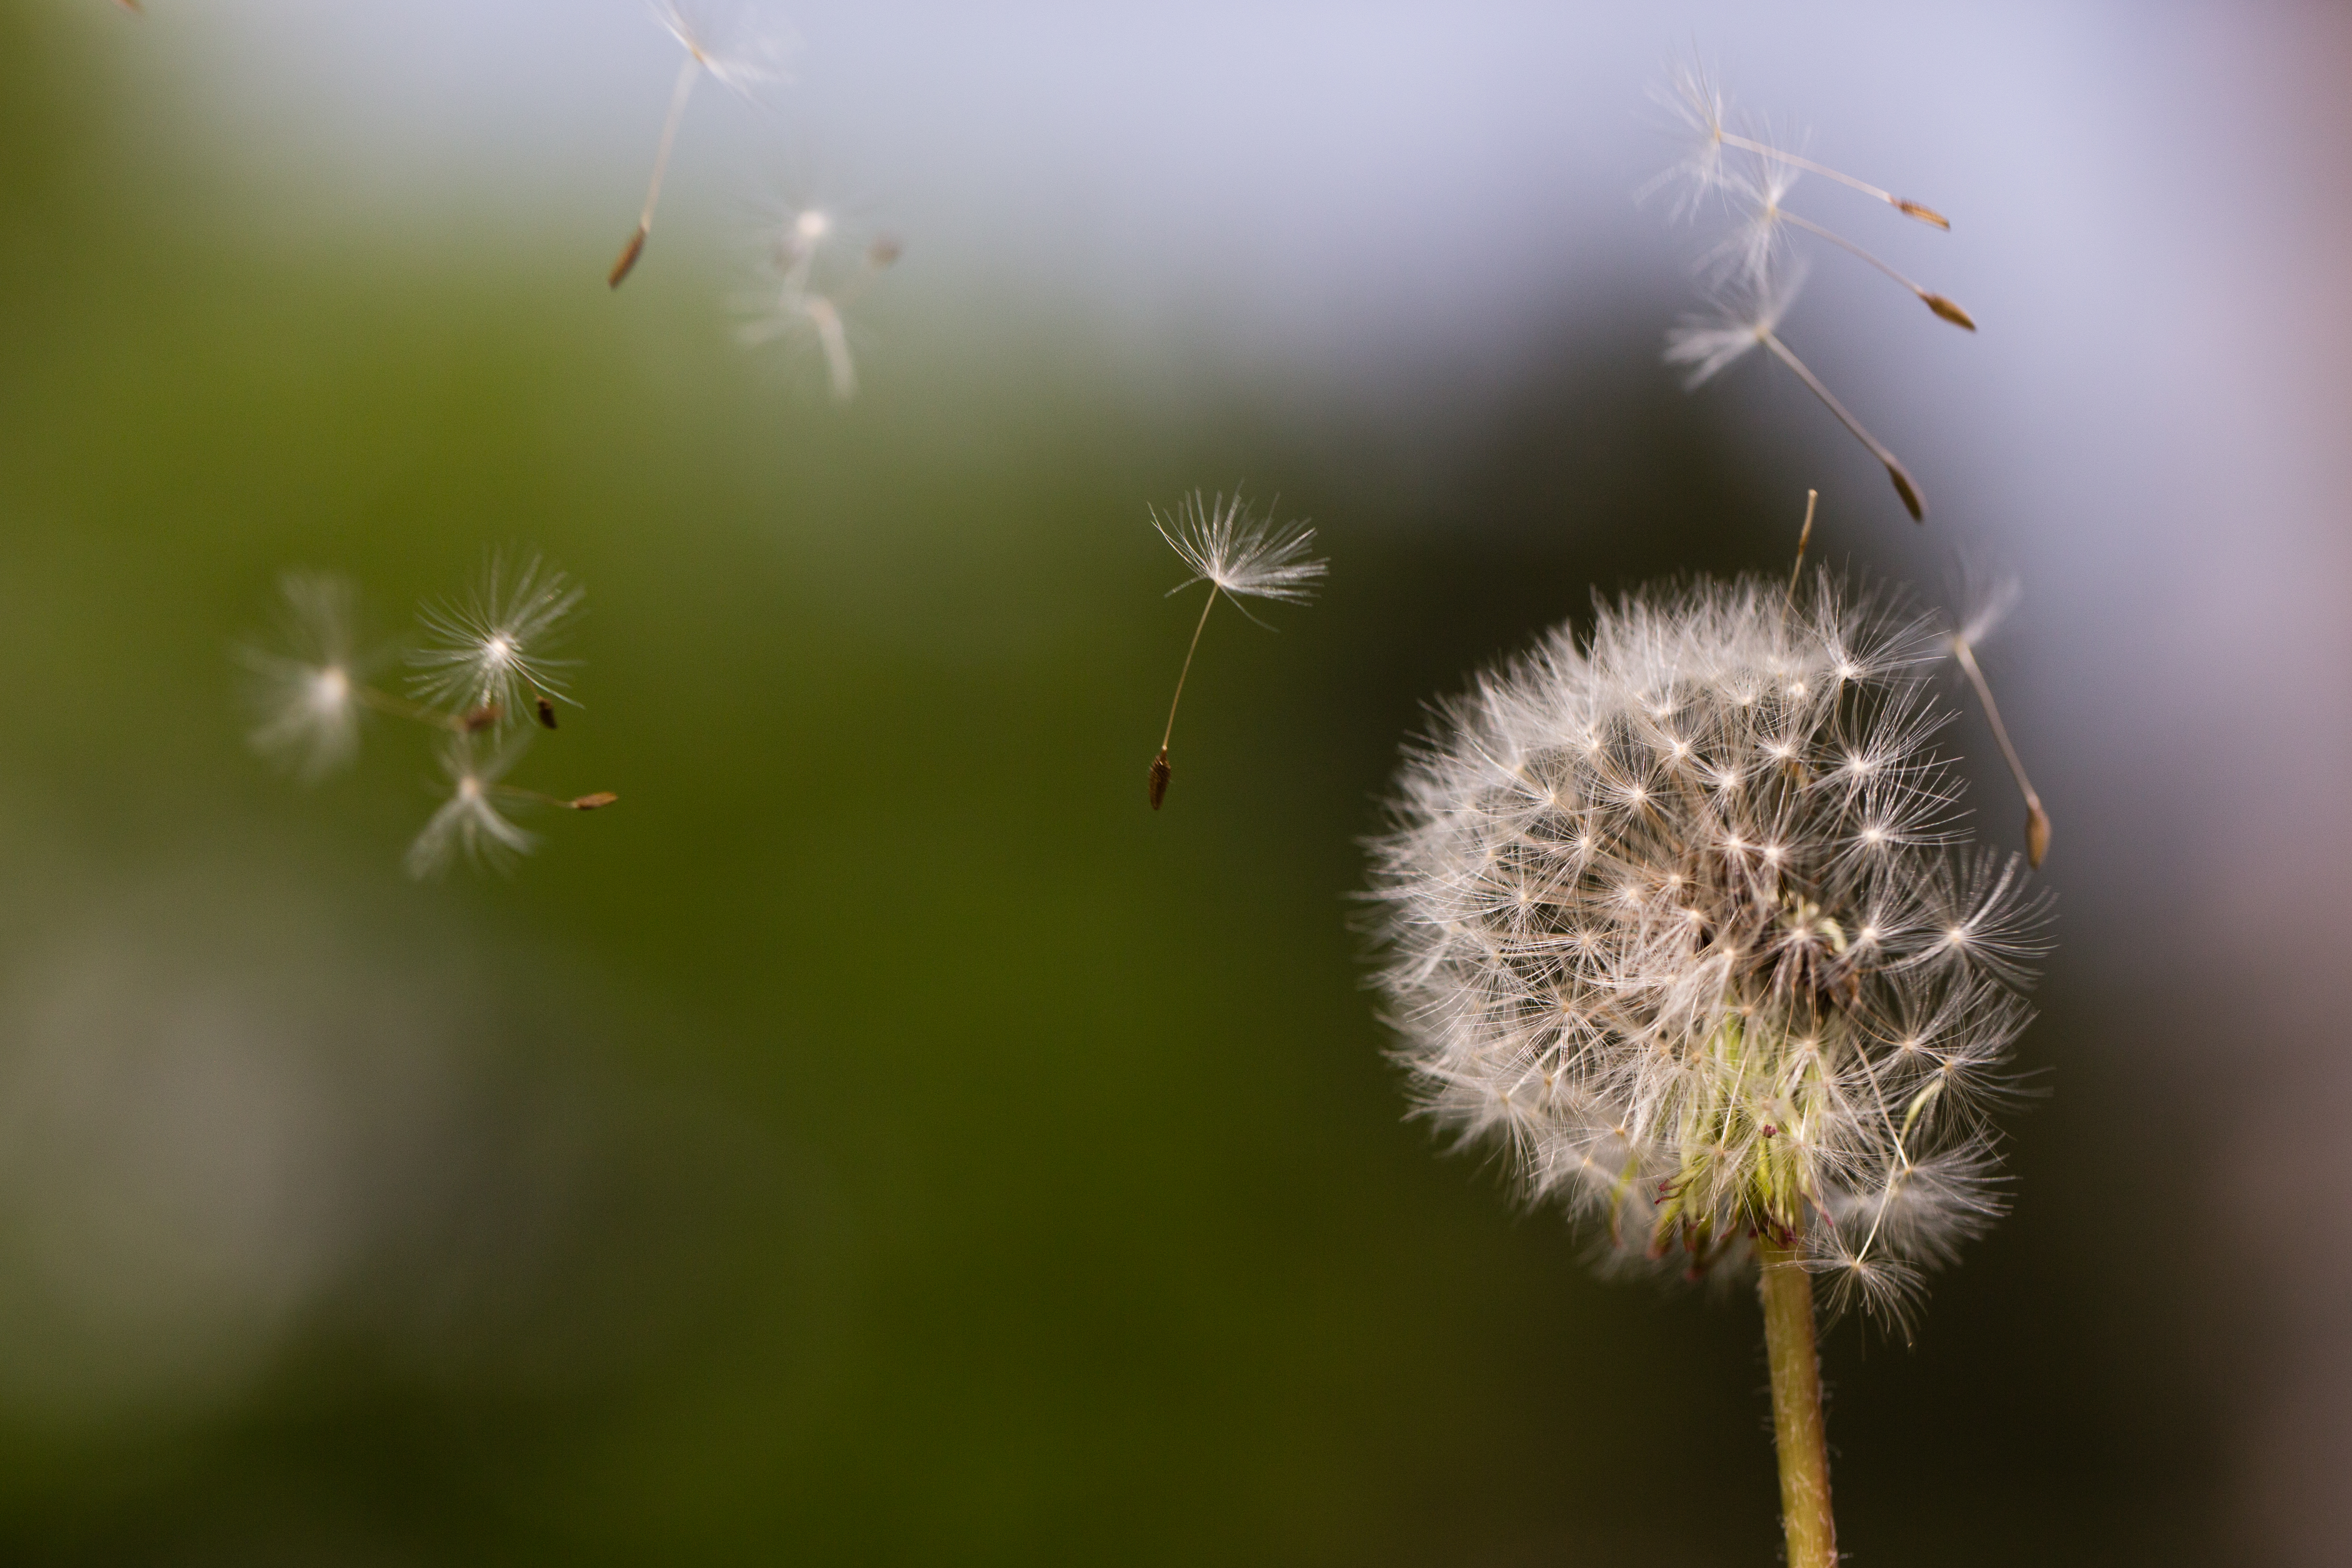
(678, 95)
(1937, 302)
(1904, 486)
(1199, 626)
(1796, 1429)
(1907, 209)
(2037, 821)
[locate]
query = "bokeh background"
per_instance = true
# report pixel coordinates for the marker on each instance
(880, 1139)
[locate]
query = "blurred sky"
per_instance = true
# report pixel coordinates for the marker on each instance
(1340, 207)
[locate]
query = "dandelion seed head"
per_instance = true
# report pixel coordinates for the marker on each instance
(1764, 1020)
(303, 689)
(1985, 603)
(1757, 189)
(811, 273)
(1698, 113)
(743, 44)
(1244, 553)
(1742, 313)
(469, 824)
(490, 649)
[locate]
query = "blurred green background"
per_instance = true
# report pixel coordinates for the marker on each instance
(880, 1138)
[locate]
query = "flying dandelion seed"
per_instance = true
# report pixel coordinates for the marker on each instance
(1692, 97)
(1242, 555)
(1753, 249)
(1965, 639)
(815, 270)
(469, 822)
(1684, 919)
(1745, 316)
(306, 692)
(743, 47)
(1751, 279)
(488, 651)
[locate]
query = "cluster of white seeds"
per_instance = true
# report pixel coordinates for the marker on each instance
(1685, 918)
(483, 675)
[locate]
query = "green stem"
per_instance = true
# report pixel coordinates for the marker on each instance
(1787, 1293)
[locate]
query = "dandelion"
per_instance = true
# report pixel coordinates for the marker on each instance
(1756, 242)
(1683, 918)
(1240, 555)
(488, 651)
(1751, 284)
(1694, 99)
(308, 692)
(307, 697)
(741, 46)
(810, 287)
(1745, 315)
(1965, 638)
(469, 821)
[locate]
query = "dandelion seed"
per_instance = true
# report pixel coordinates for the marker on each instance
(307, 697)
(469, 822)
(1694, 99)
(1753, 247)
(1242, 555)
(1745, 317)
(1744, 314)
(743, 48)
(1905, 487)
(489, 649)
(1963, 645)
(809, 290)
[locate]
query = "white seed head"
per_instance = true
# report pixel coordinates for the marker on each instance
(1652, 925)
(813, 269)
(1699, 113)
(1741, 312)
(469, 822)
(1247, 555)
(305, 690)
(743, 44)
(1753, 250)
(489, 649)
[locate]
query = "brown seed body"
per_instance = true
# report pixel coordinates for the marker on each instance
(1950, 310)
(1159, 771)
(629, 254)
(596, 802)
(2037, 834)
(480, 719)
(1912, 502)
(1924, 214)
(546, 712)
